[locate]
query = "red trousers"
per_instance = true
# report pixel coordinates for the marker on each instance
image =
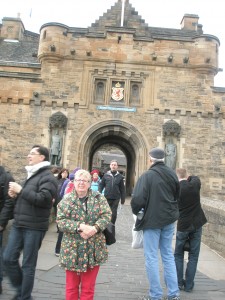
(81, 285)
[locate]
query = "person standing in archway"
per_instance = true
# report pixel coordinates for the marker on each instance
(113, 183)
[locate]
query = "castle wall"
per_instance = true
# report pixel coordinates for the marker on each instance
(201, 137)
(122, 86)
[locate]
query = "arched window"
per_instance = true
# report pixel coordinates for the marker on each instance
(134, 93)
(99, 91)
(44, 34)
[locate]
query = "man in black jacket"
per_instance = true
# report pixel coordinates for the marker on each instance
(33, 203)
(189, 224)
(156, 192)
(114, 189)
(6, 210)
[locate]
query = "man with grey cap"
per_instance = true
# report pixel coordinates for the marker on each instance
(157, 193)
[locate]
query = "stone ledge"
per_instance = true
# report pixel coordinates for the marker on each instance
(214, 231)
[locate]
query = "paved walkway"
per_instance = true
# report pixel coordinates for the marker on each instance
(123, 277)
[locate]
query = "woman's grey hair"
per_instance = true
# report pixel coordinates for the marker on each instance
(84, 173)
(154, 160)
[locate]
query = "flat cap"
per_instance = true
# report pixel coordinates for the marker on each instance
(157, 153)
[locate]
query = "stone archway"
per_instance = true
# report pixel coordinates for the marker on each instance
(121, 134)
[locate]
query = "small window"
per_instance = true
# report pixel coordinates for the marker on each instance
(99, 91)
(44, 34)
(134, 93)
(10, 29)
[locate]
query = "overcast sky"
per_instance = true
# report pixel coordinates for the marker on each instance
(159, 13)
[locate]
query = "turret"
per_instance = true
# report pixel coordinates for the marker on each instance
(12, 29)
(53, 42)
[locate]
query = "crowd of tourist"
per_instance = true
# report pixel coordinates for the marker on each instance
(84, 204)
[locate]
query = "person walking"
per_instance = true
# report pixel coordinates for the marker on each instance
(33, 203)
(68, 184)
(189, 225)
(6, 211)
(113, 183)
(66, 188)
(61, 177)
(156, 194)
(82, 216)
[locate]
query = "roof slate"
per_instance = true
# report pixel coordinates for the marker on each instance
(21, 51)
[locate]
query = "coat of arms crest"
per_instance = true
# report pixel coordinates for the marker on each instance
(117, 92)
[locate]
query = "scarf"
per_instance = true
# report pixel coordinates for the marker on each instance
(31, 170)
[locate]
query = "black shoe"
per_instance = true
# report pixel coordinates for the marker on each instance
(182, 285)
(189, 290)
(0, 288)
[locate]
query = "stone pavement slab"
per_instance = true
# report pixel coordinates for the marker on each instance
(123, 277)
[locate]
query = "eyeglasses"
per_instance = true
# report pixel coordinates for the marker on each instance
(32, 153)
(81, 180)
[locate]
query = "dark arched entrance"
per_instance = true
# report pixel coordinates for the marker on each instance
(128, 151)
(124, 136)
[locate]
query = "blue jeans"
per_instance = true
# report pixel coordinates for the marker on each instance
(195, 243)
(22, 277)
(154, 240)
(1, 264)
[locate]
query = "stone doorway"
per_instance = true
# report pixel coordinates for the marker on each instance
(121, 135)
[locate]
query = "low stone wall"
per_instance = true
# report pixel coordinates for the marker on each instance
(214, 231)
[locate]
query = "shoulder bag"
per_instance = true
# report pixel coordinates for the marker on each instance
(109, 233)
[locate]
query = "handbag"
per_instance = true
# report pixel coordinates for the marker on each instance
(109, 233)
(187, 246)
(137, 238)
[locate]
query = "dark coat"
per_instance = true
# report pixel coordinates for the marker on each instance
(34, 203)
(6, 203)
(113, 186)
(158, 196)
(191, 214)
(63, 187)
(60, 183)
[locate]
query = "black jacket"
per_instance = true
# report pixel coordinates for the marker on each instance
(34, 203)
(6, 203)
(158, 196)
(191, 214)
(114, 186)
(60, 183)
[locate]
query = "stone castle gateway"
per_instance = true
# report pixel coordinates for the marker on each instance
(131, 86)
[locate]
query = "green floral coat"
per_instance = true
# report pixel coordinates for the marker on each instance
(78, 254)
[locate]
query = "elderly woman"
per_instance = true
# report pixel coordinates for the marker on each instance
(82, 215)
